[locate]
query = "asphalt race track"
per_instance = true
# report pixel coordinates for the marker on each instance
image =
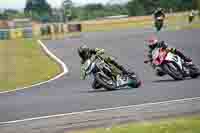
(70, 94)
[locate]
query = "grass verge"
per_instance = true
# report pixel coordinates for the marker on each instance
(192, 26)
(23, 63)
(177, 21)
(172, 22)
(179, 125)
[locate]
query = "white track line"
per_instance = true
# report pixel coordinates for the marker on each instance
(97, 110)
(61, 63)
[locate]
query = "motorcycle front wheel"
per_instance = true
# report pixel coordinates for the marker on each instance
(173, 70)
(105, 83)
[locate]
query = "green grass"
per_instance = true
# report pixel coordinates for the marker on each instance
(192, 26)
(180, 125)
(173, 22)
(23, 63)
(116, 25)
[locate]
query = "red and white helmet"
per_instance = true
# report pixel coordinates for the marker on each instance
(152, 41)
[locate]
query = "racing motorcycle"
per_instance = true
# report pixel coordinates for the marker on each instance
(173, 65)
(107, 76)
(159, 23)
(191, 18)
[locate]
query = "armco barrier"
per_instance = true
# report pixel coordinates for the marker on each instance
(4, 34)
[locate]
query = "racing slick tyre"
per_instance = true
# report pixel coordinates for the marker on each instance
(194, 71)
(96, 85)
(173, 70)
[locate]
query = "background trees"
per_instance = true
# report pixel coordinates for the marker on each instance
(38, 9)
(42, 11)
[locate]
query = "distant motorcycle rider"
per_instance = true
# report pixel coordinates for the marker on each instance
(159, 17)
(154, 43)
(191, 16)
(87, 53)
(159, 13)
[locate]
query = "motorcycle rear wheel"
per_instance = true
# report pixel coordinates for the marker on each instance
(194, 71)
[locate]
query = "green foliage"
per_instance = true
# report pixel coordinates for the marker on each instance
(198, 5)
(3, 16)
(11, 14)
(38, 9)
(135, 8)
(95, 11)
(146, 7)
(41, 10)
(170, 5)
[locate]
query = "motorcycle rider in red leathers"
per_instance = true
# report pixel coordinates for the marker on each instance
(154, 43)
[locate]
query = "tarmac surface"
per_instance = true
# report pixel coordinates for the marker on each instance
(70, 94)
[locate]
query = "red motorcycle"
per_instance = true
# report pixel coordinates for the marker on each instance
(173, 65)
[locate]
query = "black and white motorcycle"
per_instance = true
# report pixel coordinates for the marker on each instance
(108, 76)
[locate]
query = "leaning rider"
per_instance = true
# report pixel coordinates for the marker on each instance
(154, 43)
(87, 53)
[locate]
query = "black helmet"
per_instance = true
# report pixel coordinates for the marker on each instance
(159, 9)
(83, 52)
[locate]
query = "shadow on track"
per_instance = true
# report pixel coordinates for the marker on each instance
(166, 81)
(170, 80)
(104, 90)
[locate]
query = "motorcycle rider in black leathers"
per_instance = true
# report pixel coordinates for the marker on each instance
(158, 13)
(86, 53)
(154, 43)
(191, 16)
